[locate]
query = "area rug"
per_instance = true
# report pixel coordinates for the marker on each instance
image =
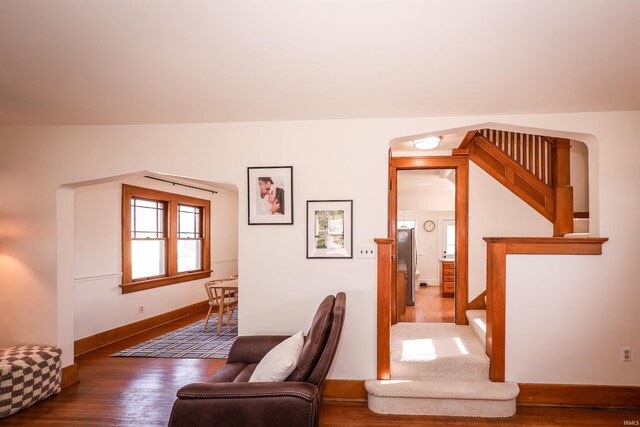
(188, 342)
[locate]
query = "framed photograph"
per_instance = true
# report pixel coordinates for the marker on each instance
(330, 229)
(270, 195)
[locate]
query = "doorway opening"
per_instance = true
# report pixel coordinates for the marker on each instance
(426, 245)
(425, 264)
(94, 263)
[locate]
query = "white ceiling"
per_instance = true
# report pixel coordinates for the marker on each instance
(447, 143)
(162, 61)
(425, 182)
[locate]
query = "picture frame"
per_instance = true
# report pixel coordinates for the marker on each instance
(270, 194)
(329, 229)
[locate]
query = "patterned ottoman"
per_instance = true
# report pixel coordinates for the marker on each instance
(28, 374)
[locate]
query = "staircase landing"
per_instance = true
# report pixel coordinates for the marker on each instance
(440, 369)
(437, 350)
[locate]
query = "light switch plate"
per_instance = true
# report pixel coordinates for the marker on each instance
(367, 251)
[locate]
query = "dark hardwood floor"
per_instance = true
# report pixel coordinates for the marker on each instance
(119, 391)
(357, 414)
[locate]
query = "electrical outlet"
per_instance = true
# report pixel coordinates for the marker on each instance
(141, 309)
(366, 251)
(626, 354)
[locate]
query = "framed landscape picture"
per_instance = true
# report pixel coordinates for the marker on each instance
(270, 195)
(330, 229)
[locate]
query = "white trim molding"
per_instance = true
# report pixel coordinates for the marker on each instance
(118, 276)
(223, 261)
(97, 277)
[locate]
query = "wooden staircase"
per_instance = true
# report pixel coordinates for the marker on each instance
(534, 167)
(460, 369)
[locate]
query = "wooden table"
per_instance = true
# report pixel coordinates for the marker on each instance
(224, 285)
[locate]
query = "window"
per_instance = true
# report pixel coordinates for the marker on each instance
(148, 238)
(165, 238)
(189, 238)
(449, 238)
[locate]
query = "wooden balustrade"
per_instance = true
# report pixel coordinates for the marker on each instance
(534, 167)
(532, 152)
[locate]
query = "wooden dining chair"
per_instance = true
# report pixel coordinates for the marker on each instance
(223, 300)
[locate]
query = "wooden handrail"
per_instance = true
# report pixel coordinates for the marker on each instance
(506, 171)
(532, 152)
(384, 307)
(533, 167)
(497, 250)
(478, 303)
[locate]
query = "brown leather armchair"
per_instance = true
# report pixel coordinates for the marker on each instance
(228, 399)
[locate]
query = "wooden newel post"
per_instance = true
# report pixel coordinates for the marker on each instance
(563, 191)
(384, 307)
(496, 308)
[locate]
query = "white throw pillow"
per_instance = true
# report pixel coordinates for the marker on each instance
(278, 364)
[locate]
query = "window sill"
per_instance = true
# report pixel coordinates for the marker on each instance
(163, 281)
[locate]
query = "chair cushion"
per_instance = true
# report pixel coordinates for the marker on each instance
(246, 373)
(228, 373)
(233, 373)
(280, 361)
(315, 340)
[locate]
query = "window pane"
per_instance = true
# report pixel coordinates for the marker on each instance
(451, 239)
(189, 255)
(147, 258)
(145, 203)
(147, 218)
(188, 209)
(189, 225)
(143, 235)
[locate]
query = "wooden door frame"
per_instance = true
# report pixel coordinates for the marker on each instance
(461, 165)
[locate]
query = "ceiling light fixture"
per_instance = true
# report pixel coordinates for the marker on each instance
(428, 143)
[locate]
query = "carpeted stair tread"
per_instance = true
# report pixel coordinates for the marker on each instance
(478, 324)
(441, 370)
(452, 389)
(443, 398)
(428, 350)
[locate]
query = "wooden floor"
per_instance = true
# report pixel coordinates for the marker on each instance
(356, 414)
(430, 307)
(121, 391)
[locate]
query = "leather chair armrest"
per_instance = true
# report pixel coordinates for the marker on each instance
(251, 349)
(246, 404)
(304, 391)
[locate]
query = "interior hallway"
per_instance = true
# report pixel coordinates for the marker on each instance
(430, 307)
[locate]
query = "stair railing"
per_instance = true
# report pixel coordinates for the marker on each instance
(532, 152)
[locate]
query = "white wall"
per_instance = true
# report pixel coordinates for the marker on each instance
(281, 288)
(579, 171)
(429, 243)
(99, 302)
(436, 201)
(579, 309)
(494, 211)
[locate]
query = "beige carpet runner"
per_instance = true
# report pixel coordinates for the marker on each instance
(441, 369)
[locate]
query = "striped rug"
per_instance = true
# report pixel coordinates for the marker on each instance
(188, 342)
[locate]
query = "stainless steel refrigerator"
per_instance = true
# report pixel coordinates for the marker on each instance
(407, 260)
